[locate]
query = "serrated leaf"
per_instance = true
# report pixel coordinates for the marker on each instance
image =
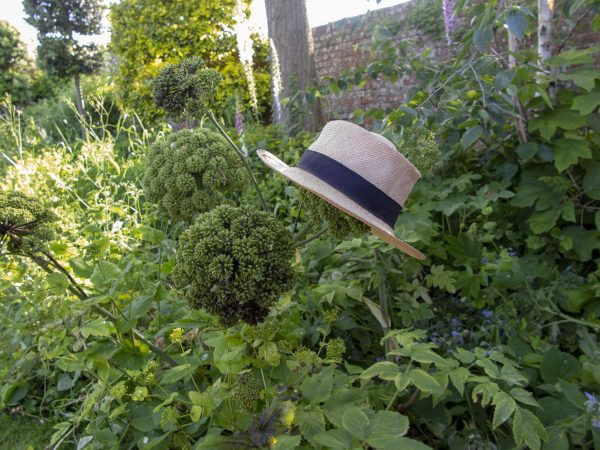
(591, 181)
(585, 104)
(542, 221)
(471, 136)
(334, 439)
(505, 406)
(97, 327)
(424, 381)
(386, 370)
(177, 373)
(459, 377)
(105, 273)
(356, 422)
(528, 430)
(583, 77)
(385, 426)
(58, 282)
(567, 152)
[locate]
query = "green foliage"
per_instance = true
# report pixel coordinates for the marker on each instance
(187, 89)
(236, 262)
(191, 172)
(58, 23)
(24, 222)
(149, 34)
(15, 67)
(426, 16)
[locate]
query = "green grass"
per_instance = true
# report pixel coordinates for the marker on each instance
(23, 433)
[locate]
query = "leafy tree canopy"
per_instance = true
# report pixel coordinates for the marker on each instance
(64, 17)
(15, 67)
(149, 34)
(64, 57)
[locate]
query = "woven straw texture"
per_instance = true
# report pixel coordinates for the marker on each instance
(339, 200)
(370, 155)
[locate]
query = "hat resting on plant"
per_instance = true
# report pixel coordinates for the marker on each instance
(359, 172)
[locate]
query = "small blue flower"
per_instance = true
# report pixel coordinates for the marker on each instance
(484, 260)
(596, 423)
(455, 322)
(455, 333)
(591, 401)
(486, 313)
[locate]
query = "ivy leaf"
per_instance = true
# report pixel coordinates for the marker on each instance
(505, 406)
(585, 104)
(471, 136)
(516, 22)
(567, 151)
(356, 422)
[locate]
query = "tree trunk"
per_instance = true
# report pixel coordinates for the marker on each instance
(292, 62)
(79, 104)
(545, 11)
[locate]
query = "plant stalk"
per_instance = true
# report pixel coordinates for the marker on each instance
(242, 157)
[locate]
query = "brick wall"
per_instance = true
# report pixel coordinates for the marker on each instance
(345, 44)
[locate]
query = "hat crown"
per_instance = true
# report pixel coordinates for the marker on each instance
(369, 155)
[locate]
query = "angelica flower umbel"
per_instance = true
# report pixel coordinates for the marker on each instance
(192, 171)
(234, 262)
(24, 222)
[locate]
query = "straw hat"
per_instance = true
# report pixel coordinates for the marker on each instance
(359, 172)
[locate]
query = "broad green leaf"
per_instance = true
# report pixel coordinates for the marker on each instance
(334, 439)
(177, 373)
(459, 377)
(584, 241)
(583, 77)
(377, 313)
(356, 422)
(385, 426)
(80, 268)
(64, 382)
(528, 430)
(585, 104)
(503, 79)
(58, 282)
(317, 387)
(505, 406)
(401, 381)
(97, 327)
(287, 442)
(542, 221)
(386, 370)
(405, 444)
(557, 439)
(339, 401)
(522, 396)
(471, 136)
(482, 38)
(597, 220)
(105, 273)
(195, 413)
(527, 150)
(591, 181)
(516, 22)
(573, 394)
(424, 381)
(547, 122)
(311, 423)
(566, 152)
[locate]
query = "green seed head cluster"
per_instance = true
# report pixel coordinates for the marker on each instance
(235, 261)
(186, 89)
(335, 349)
(119, 390)
(247, 392)
(191, 172)
(24, 222)
(421, 149)
(340, 224)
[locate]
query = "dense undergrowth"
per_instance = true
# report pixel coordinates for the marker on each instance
(489, 343)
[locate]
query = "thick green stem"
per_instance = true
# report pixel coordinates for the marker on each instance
(242, 157)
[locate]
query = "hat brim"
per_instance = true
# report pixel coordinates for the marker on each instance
(339, 200)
